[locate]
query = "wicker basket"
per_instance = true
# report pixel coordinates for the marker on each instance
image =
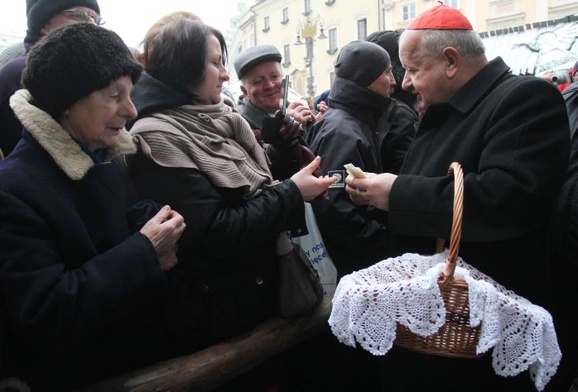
(455, 338)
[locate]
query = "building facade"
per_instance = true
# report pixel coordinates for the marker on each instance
(309, 33)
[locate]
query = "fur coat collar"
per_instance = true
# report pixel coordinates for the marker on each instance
(57, 142)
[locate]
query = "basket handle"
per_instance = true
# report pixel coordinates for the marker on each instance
(456, 233)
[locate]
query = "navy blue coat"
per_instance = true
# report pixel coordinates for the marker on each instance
(80, 295)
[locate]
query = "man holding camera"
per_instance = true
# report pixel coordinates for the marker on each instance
(570, 95)
(562, 78)
(259, 70)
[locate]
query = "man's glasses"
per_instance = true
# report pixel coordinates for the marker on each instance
(83, 16)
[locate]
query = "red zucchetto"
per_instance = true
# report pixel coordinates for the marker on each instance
(440, 17)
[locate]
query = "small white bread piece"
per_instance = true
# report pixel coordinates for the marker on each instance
(354, 171)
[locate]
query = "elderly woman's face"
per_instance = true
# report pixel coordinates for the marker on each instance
(97, 119)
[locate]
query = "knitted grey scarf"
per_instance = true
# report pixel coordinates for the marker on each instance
(213, 139)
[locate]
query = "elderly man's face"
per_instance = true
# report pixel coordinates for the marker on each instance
(262, 86)
(425, 76)
(64, 18)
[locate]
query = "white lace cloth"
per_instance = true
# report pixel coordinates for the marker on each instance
(368, 303)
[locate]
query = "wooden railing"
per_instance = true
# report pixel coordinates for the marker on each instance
(214, 366)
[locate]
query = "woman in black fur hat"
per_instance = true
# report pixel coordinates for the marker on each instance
(82, 286)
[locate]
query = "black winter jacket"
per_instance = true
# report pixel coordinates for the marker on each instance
(510, 134)
(227, 253)
(81, 295)
(355, 236)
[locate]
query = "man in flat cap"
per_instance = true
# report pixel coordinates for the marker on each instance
(510, 134)
(259, 70)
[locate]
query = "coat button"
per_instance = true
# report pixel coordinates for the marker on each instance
(259, 280)
(205, 288)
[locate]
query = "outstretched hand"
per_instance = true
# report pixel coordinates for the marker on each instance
(164, 230)
(308, 183)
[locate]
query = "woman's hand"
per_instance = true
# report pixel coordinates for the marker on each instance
(309, 185)
(164, 230)
(373, 190)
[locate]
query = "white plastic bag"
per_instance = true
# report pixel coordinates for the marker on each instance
(316, 252)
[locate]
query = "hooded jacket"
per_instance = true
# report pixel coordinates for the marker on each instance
(354, 235)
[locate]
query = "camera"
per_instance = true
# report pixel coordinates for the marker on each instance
(561, 76)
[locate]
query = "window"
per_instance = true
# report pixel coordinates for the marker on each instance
(362, 29)
(331, 78)
(307, 7)
(266, 25)
(451, 3)
(408, 11)
(332, 41)
(286, 55)
(285, 17)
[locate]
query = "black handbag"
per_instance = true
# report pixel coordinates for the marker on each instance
(300, 289)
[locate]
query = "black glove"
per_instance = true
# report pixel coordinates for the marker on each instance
(281, 131)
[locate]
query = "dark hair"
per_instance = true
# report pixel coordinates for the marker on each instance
(176, 55)
(389, 40)
(156, 27)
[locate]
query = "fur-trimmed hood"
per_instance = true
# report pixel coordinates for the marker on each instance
(57, 142)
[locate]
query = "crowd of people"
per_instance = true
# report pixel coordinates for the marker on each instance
(142, 214)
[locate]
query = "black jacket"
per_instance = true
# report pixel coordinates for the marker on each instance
(227, 253)
(354, 235)
(510, 134)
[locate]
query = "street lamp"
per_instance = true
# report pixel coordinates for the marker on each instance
(307, 30)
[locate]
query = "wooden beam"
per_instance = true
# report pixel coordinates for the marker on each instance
(212, 367)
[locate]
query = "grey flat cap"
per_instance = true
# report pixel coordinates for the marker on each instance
(255, 55)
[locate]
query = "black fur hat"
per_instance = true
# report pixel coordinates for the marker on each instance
(39, 12)
(74, 61)
(361, 62)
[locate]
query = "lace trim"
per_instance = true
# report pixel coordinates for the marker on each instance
(368, 303)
